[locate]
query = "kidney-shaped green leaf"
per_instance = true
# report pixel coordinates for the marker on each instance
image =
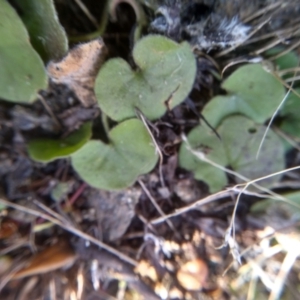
(290, 112)
(291, 206)
(118, 164)
(240, 142)
(203, 139)
(286, 61)
(164, 77)
(46, 34)
(241, 139)
(22, 73)
(253, 92)
(46, 150)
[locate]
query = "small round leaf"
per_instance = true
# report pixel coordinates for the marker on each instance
(203, 140)
(118, 164)
(240, 142)
(253, 92)
(164, 77)
(290, 112)
(286, 61)
(241, 139)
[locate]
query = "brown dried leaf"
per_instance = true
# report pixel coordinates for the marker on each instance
(52, 258)
(7, 229)
(78, 70)
(115, 210)
(144, 269)
(192, 275)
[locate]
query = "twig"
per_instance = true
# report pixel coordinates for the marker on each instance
(289, 139)
(268, 46)
(287, 50)
(155, 204)
(49, 110)
(271, 121)
(202, 157)
(289, 70)
(73, 230)
(263, 11)
(295, 78)
(288, 32)
(269, 69)
(195, 205)
(253, 60)
(231, 229)
(87, 12)
(157, 149)
(49, 211)
(286, 266)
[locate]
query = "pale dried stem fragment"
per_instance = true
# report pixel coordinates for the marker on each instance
(155, 204)
(87, 12)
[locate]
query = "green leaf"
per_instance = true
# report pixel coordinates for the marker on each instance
(118, 164)
(286, 61)
(289, 208)
(46, 34)
(291, 105)
(240, 141)
(22, 73)
(164, 77)
(291, 126)
(46, 150)
(253, 92)
(290, 112)
(203, 139)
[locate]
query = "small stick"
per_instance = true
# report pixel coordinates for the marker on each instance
(49, 110)
(157, 149)
(155, 204)
(87, 12)
(71, 229)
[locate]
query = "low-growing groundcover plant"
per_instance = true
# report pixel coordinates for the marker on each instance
(87, 135)
(147, 90)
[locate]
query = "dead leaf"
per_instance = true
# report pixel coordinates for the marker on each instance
(115, 210)
(193, 274)
(50, 259)
(144, 269)
(78, 70)
(8, 228)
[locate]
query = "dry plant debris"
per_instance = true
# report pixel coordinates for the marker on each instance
(167, 236)
(52, 258)
(78, 70)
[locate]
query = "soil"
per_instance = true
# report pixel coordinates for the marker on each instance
(60, 238)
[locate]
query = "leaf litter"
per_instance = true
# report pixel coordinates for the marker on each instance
(148, 241)
(78, 70)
